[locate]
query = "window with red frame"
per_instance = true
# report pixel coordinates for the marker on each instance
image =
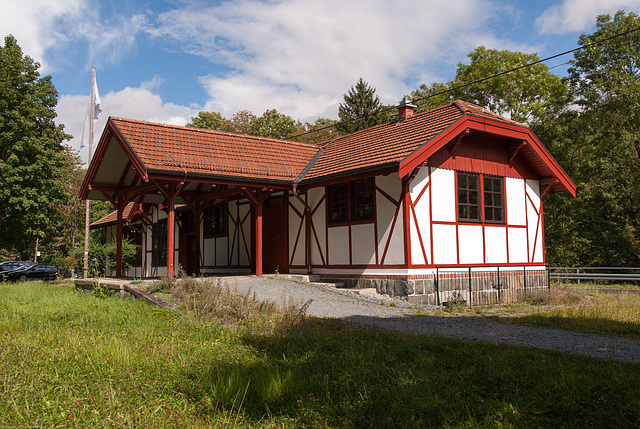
(351, 201)
(471, 207)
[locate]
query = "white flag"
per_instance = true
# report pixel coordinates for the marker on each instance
(97, 108)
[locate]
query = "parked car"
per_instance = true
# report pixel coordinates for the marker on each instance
(41, 271)
(13, 265)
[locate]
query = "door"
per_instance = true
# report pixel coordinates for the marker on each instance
(276, 236)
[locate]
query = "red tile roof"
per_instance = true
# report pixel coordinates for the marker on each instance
(170, 148)
(391, 143)
(112, 217)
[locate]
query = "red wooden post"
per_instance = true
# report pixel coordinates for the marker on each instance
(119, 233)
(197, 221)
(259, 232)
(171, 221)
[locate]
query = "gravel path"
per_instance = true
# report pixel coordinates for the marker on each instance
(386, 313)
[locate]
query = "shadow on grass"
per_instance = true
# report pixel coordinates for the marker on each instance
(322, 374)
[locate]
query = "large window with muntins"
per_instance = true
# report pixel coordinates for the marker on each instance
(216, 220)
(351, 201)
(472, 208)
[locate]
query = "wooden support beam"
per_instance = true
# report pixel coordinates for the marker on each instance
(513, 154)
(458, 141)
(171, 224)
(546, 185)
(122, 203)
(259, 205)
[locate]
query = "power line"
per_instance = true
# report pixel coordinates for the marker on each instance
(484, 79)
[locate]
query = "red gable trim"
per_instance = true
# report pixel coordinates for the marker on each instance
(489, 126)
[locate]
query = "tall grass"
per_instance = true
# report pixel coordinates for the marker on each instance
(610, 314)
(71, 360)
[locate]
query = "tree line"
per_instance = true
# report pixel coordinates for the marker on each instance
(588, 120)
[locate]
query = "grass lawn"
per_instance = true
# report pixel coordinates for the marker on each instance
(74, 360)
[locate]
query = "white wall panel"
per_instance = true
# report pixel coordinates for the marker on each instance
(417, 256)
(516, 208)
(363, 245)
(443, 192)
(209, 251)
(222, 251)
(391, 185)
(517, 245)
(496, 244)
(339, 245)
(444, 244)
(471, 244)
(319, 246)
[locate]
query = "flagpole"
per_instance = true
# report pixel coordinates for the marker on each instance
(87, 216)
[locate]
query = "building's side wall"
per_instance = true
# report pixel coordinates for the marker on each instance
(437, 235)
(351, 247)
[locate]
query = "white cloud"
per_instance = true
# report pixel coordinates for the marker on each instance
(580, 15)
(39, 25)
(133, 103)
(44, 28)
(301, 56)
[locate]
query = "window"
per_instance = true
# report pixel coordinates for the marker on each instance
(135, 237)
(338, 203)
(493, 200)
(468, 197)
(216, 220)
(469, 203)
(351, 201)
(159, 244)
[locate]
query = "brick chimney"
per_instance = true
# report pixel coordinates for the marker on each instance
(405, 109)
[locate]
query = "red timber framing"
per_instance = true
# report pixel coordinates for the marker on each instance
(166, 166)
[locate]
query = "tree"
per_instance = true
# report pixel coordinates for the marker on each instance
(210, 121)
(275, 125)
(32, 156)
(531, 94)
(361, 108)
(604, 144)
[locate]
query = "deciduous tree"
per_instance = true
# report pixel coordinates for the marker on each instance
(32, 156)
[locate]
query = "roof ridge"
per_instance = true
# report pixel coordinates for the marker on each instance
(223, 133)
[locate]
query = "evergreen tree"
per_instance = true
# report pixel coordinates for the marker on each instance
(32, 156)
(360, 110)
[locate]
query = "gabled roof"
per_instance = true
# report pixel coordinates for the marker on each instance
(132, 151)
(112, 217)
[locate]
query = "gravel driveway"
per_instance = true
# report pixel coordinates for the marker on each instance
(386, 313)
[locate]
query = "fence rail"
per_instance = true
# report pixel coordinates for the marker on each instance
(490, 285)
(631, 274)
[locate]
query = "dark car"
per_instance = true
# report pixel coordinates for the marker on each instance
(42, 271)
(13, 265)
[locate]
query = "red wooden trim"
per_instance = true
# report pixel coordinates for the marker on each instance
(300, 215)
(535, 240)
(526, 219)
(315, 235)
(259, 207)
(454, 223)
(350, 245)
(490, 126)
(110, 198)
(361, 267)
(324, 196)
(171, 220)
(406, 217)
(506, 219)
(516, 150)
(393, 225)
(431, 217)
(415, 203)
(415, 221)
(544, 255)
(348, 178)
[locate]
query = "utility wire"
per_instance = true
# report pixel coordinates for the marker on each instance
(484, 79)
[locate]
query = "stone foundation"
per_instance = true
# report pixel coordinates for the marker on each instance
(474, 288)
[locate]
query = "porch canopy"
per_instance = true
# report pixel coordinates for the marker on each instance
(143, 162)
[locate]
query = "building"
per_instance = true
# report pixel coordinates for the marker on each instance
(456, 189)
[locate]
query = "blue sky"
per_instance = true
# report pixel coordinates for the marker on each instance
(164, 61)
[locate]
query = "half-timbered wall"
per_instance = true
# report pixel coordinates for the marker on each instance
(229, 252)
(350, 247)
(439, 238)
